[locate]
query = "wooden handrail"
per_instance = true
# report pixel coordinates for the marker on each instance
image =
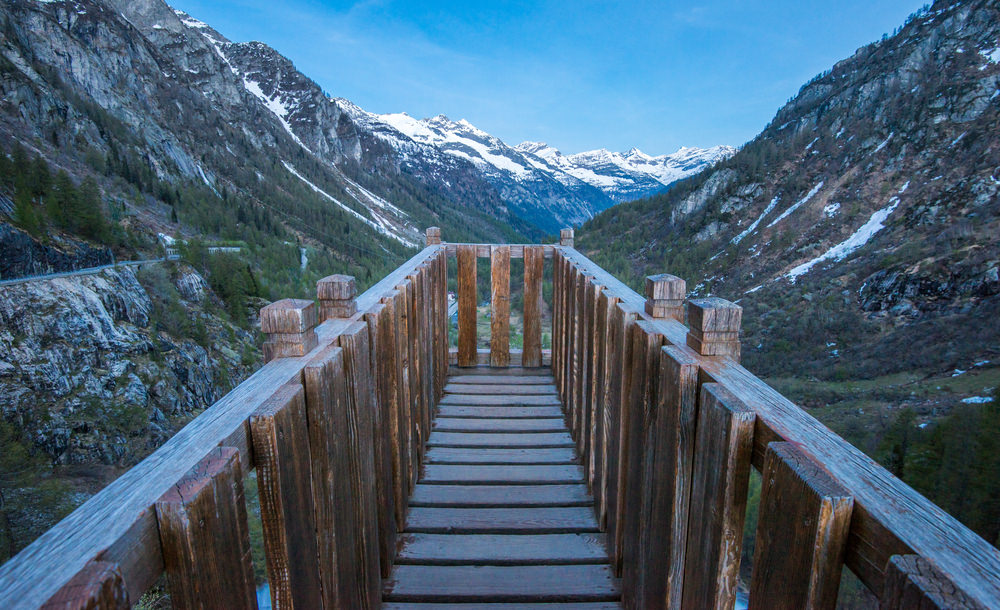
(889, 518)
(118, 526)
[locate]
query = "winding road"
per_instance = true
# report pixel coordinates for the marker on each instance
(87, 271)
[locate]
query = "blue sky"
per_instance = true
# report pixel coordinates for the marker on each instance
(578, 75)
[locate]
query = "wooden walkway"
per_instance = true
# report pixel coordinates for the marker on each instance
(501, 513)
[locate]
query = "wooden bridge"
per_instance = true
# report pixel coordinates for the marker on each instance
(610, 470)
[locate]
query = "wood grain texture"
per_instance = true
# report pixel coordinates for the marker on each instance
(326, 391)
(373, 546)
(381, 328)
(205, 536)
(913, 583)
(718, 499)
(646, 344)
(667, 472)
(571, 583)
(284, 478)
(446, 455)
(400, 405)
(534, 259)
(500, 306)
(467, 301)
(500, 388)
(489, 412)
(479, 424)
(618, 421)
(483, 250)
(500, 496)
(509, 441)
(494, 474)
(513, 400)
(539, 520)
(456, 373)
(502, 549)
(501, 380)
(499, 606)
(98, 586)
(801, 533)
(599, 461)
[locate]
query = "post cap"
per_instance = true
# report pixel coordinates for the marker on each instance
(713, 314)
(336, 287)
(288, 316)
(433, 235)
(566, 237)
(665, 287)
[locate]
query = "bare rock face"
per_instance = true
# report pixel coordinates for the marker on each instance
(85, 373)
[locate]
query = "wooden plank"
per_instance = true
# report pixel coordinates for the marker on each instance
(502, 380)
(669, 442)
(428, 347)
(501, 549)
(572, 583)
(557, 299)
(499, 474)
(645, 348)
(458, 424)
(455, 372)
(418, 396)
(446, 455)
(118, 523)
(98, 586)
(449, 411)
(410, 375)
(528, 439)
(326, 393)
(539, 520)
(205, 537)
(467, 301)
(593, 291)
(576, 356)
(402, 404)
(583, 339)
(483, 250)
(376, 547)
(500, 306)
(504, 389)
(492, 606)
(801, 533)
(487, 400)
(483, 357)
(913, 583)
(534, 258)
(618, 420)
(284, 478)
(718, 499)
(500, 496)
(599, 453)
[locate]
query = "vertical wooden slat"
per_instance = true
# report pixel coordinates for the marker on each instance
(326, 391)
(500, 306)
(467, 305)
(379, 365)
(419, 397)
(914, 583)
(414, 417)
(669, 443)
(361, 465)
(606, 304)
(623, 318)
(718, 499)
(801, 533)
(205, 537)
(557, 300)
(595, 392)
(534, 257)
(582, 357)
(426, 349)
(98, 586)
(593, 290)
(573, 357)
(280, 438)
(388, 388)
(443, 321)
(397, 300)
(646, 344)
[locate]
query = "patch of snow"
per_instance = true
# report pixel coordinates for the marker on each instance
(977, 400)
(754, 289)
(378, 227)
(851, 244)
(957, 140)
(798, 204)
(903, 188)
(992, 56)
(831, 209)
(753, 225)
(303, 258)
(884, 143)
(958, 372)
(810, 145)
(982, 363)
(840, 133)
(275, 105)
(923, 425)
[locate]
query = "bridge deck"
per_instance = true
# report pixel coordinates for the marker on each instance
(501, 513)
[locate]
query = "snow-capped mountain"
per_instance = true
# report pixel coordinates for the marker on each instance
(626, 176)
(536, 177)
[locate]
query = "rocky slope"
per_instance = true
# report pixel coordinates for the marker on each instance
(98, 370)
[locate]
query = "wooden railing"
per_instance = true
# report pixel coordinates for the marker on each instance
(669, 426)
(667, 422)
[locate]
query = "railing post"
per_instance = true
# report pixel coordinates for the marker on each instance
(534, 258)
(721, 475)
(280, 440)
(665, 296)
(500, 306)
(801, 533)
(336, 294)
(289, 325)
(467, 305)
(566, 237)
(433, 236)
(715, 327)
(205, 537)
